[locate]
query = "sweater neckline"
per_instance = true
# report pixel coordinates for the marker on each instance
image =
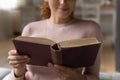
(60, 25)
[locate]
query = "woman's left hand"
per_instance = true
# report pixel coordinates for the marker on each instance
(66, 73)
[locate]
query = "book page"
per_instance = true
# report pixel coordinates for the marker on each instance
(35, 40)
(78, 42)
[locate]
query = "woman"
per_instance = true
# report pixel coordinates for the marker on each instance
(59, 24)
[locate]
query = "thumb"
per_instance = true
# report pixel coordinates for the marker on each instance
(50, 65)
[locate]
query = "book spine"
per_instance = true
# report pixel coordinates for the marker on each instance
(56, 56)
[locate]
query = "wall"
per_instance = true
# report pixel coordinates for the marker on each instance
(6, 30)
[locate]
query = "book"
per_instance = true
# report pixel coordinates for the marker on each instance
(72, 53)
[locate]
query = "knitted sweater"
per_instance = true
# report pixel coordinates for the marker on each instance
(59, 32)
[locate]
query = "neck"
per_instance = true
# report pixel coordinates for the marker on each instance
(60, 20)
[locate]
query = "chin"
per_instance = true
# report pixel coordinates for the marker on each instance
(63, 16)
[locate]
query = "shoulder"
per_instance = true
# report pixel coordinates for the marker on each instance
(94, 30)
(91, 28)
(36, 23)
(88, 24)
(33, 26)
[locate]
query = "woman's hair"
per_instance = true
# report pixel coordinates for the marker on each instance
(45, 10)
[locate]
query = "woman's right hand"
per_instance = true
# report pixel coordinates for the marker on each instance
(18, 62)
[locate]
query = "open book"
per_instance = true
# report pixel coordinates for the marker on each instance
(72, 53)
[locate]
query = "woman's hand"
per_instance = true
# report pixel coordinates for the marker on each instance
(18, 62)
(66, 73)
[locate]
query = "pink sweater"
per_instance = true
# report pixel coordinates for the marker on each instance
(59, 32)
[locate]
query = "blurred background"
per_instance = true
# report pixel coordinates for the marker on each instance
(15, 14)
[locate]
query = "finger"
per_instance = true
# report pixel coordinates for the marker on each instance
(52, 68)
(61, 72)
(19, 62)
(17, 57)
(63, 68)
(15, 63)
(68, 68)
(19, 65)
(12, 52)
(60, 69)
(50, 65)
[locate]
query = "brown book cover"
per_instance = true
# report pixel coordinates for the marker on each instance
(71, 53)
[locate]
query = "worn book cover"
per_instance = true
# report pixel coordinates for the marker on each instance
(71, 53)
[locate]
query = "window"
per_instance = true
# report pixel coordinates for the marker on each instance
(8, 4)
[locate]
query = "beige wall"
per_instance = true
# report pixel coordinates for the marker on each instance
(6, 30)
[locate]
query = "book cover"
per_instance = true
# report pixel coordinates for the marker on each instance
(82, 56)
(71, 53)
(39, 53)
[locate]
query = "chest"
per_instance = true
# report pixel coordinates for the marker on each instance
(60, 34)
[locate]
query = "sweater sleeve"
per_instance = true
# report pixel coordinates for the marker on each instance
(11, 76)
(26, 31)
(92, 72)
